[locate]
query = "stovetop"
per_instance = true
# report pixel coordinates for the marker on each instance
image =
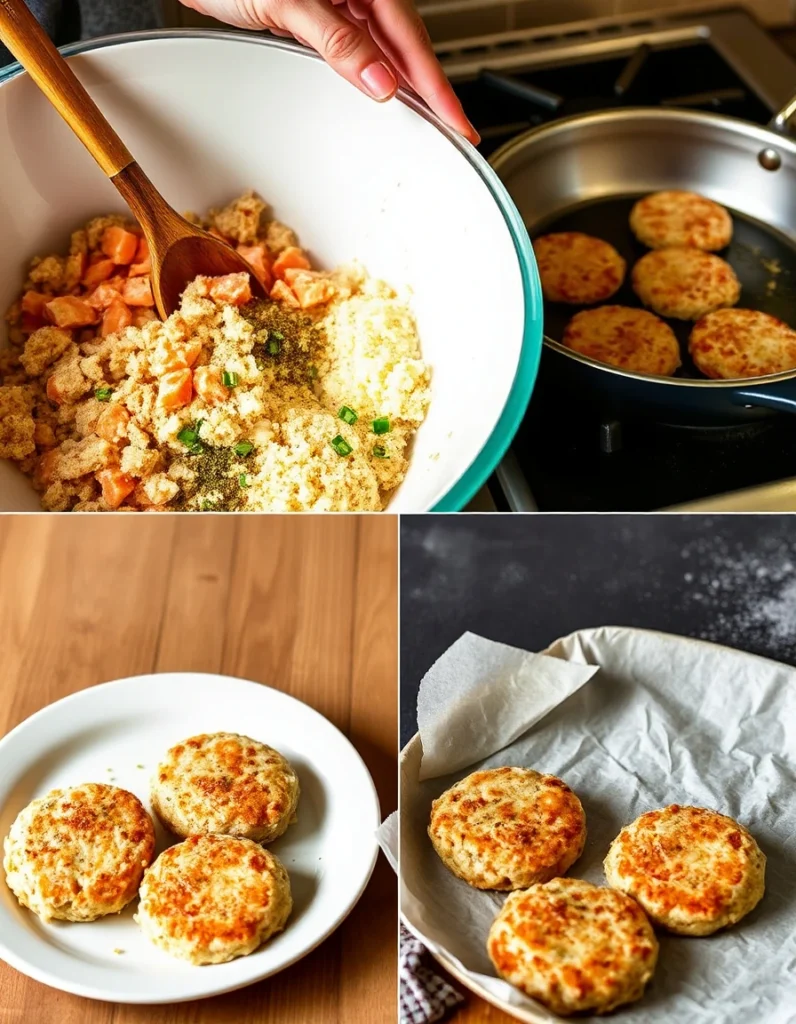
(569, 455)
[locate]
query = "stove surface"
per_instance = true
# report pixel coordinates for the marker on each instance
(694, 75)
(569, 455)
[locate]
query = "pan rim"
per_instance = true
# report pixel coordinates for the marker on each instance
(765, 135)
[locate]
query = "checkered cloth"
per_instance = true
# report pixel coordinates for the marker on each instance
(424, 996)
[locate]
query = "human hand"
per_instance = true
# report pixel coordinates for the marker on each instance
(374, 44)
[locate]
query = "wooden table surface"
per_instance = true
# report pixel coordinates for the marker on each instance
(306, 604)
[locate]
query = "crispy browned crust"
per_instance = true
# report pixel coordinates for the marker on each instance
(86, 847)
(632, 339)
(685, 283)
(211, 898)
(693, 870)
(578, 268)
(506, 828)
(574, 946)
(674, 218)
(733, 344)
(226, 783)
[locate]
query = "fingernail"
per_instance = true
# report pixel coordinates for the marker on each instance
(379, 80)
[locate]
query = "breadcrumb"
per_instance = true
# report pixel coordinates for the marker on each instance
(229, 404)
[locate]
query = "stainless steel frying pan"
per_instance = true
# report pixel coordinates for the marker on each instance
(584, 172)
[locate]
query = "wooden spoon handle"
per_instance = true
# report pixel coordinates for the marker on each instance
(31, 46)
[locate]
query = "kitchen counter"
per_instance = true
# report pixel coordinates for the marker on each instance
(528, 580)
(304, 604)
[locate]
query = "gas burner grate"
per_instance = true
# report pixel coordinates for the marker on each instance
(503, 104)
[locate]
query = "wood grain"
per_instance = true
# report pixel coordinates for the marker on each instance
(305, 604)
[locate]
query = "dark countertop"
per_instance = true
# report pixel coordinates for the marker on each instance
(526, 580)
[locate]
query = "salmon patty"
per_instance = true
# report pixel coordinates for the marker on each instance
(692, 870)
(628, 338)
(506, 828)
(677, 218)
(225, 783)
(78, 854)
(732, 344)
(578, 268)
(214, 898)
(574, 946)
(685, 283)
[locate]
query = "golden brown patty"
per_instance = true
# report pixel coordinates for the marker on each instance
(578, 268)
(226, 783)
(685, 283)
(737, 343)
(693, 870)
(78, 854)
(506, 828)
(214, 898)
(675, 218)
(574, 946)
(630, 338)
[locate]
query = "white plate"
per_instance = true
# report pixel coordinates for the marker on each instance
(329, 854)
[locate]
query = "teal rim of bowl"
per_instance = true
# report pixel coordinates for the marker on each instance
(489, 457)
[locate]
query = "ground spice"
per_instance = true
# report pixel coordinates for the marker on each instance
(288, 338)
(216, 485)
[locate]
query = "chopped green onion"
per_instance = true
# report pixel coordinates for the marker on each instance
(244, 448)
(230, 380)
(207, 506)
(103, 394)
(347, 415)
(190, 438)
(278, 335)
(341, 446)
(274, 345)
(379, 452)
(381, 425)
(242, 480)
(312, 371)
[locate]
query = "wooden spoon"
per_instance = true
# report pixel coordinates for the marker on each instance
(179, 250)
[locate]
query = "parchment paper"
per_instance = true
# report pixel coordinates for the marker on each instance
(665, 720)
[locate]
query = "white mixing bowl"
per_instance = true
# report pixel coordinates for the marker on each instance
(208, 115)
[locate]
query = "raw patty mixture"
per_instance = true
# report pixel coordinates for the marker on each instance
(305, 402)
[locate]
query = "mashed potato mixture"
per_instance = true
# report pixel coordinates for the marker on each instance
(306, 401)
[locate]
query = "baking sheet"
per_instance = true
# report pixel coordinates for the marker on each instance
(665, 720)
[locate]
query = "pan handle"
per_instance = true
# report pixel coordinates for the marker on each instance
(781, 396)
(782, 121)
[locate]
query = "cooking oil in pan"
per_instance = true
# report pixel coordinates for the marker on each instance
(762, 257)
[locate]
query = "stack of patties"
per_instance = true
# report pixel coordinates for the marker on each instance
(81, 853)
(571, 945)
